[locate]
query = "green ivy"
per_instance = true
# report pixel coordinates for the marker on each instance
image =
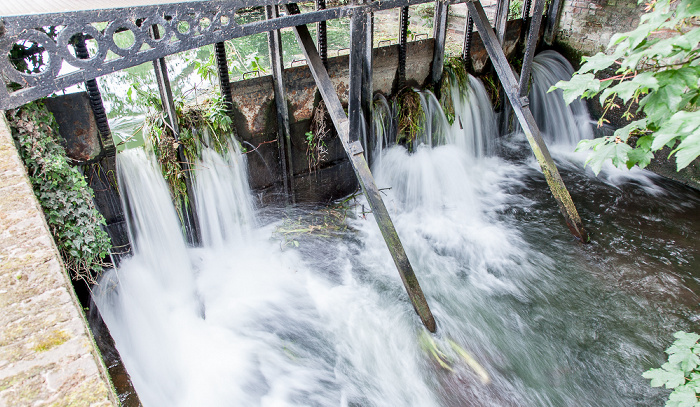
(680, 373)
(657, 68)
(62, 191)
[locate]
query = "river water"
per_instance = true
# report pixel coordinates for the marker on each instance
(303, 306)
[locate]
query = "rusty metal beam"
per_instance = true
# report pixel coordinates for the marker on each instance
(468, 35)
(527, 121)
(501, 19)
(532, 37)
(364, 175)
(367, 86)
(322, 34)
(552, 21)
(224, 80)
(358, 39)
(284, 133)
(403, 39)
(440, 34)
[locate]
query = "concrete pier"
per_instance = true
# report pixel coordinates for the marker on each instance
(47, 354)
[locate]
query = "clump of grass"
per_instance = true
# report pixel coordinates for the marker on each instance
(316, 149)
(454, 76)
(205, 124)
(410, 117)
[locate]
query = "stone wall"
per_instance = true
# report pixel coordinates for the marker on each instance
(47, 355)
(587, 25)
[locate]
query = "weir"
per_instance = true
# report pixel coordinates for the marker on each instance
(212, 24)
(284, 326)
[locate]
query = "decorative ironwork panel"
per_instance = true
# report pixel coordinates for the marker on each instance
(183, 26)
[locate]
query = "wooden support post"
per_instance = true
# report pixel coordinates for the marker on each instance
(166, 96)
(284, 138)
(359, 164)
(552, 21)
(440, 33)
(501, 20)
(527, 121)
(532, 37)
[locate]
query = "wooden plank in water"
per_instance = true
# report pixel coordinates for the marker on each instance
(527, 121)
(362, 171)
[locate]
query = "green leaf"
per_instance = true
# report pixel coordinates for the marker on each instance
(608, 150)
(640, 157)
(578, 86)
(687, 151)
(597, 62)
(682, 397)
(661, 377)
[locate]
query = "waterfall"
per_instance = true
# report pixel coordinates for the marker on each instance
(559, 123)
(247, 320)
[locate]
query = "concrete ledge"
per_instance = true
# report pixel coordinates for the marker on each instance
(47, 354)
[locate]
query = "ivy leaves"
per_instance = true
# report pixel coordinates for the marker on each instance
(657, 68)
(680, 372)
(62, 191)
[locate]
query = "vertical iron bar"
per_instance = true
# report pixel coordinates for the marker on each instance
(358, 38)
(532, 37)
(284, 141)
(527, 4)
(501, 19)
(527, 121)
(166, 96)
(321, 34)
(440, 34)
(98, 109)
(403, 38)
(468, 34)
(552, 21)
(224, 80)
(364, 175)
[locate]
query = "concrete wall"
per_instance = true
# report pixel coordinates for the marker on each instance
(256, 122)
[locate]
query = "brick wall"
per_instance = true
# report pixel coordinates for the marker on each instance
(587, 26)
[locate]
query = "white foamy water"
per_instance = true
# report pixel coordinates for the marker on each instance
(242, 321)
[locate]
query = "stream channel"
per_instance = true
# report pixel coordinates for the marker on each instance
(304, 306)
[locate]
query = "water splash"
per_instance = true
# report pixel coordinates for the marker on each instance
(241, 322)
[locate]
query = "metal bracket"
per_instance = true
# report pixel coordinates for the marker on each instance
(355, 148)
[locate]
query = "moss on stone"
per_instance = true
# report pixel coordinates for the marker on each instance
(54, 338)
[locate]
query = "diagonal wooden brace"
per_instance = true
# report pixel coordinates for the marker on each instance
(355, 151)
(527, 121)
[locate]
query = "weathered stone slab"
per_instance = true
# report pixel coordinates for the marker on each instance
(47, 356)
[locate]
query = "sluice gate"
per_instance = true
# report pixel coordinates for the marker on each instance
(164, 29)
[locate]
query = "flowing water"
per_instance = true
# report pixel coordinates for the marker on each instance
(320, 317)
